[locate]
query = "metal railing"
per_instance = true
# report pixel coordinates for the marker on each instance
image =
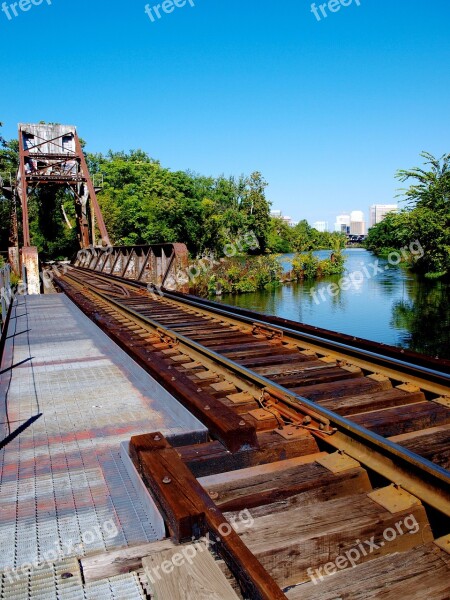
(6, 294)
(161, 265)
(6, 179)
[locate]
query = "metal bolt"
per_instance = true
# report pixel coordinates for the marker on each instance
(213, 495)
(199, 389)
(207, 408)
(157, 438)
(306, 420)
(167, 480)
(242, 423)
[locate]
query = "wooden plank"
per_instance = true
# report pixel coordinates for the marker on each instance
(184, 576)
(419, 574)
(232, 477)
(182, 325)
(231, 339)
(317, 376)
(287, 368)
(307, 483)
(167, 479)
(342, 389)
(117, 562)
(250, 346)
(156, 465)
(281, 357)
(432, 443)
(368, 402)
(311, 536)
(212, 458)
(403, 419)
(251, 354)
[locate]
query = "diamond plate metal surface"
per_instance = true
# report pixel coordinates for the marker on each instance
(63, 581)
(62, 478)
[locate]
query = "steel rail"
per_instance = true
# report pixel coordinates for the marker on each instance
(436, 376)
(439, 377)
(416, 474)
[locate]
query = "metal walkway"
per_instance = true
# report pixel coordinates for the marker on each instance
(73, 396)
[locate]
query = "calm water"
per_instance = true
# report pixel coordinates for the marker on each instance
(392, 306)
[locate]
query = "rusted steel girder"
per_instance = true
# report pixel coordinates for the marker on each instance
(158, 265)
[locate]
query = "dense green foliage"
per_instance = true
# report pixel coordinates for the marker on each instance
(302, 238)
(425, 219)
(8, 164)
(239, 274)
(143, 202)
(309, 266)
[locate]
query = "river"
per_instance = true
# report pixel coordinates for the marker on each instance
(378, 301)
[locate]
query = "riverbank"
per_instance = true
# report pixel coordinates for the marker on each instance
(247, 274)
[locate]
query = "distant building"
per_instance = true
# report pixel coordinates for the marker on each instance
(379, 211)
(357, 223)
(342, 224)
(321, 226)
(277, 214)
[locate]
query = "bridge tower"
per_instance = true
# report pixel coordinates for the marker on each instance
(51, 155)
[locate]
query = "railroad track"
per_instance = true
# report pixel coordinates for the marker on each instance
(326, 442)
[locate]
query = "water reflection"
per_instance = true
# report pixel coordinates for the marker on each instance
(424, 319)
(382, 303)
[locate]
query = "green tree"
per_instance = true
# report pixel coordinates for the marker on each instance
(432, 187)
(426, 218)
(280, 237)
(9, 160)
(256, 207)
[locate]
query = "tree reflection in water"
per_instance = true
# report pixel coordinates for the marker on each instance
(426, 318)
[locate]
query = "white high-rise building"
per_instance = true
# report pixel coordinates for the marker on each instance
(357, 223)
(342, 224)
(321, 226)
(379, 211)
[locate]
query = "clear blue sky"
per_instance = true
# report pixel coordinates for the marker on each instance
(327, 110)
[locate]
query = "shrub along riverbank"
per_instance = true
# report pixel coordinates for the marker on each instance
(244, 274)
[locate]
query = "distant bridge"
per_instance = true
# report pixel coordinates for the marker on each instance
(355, 239)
